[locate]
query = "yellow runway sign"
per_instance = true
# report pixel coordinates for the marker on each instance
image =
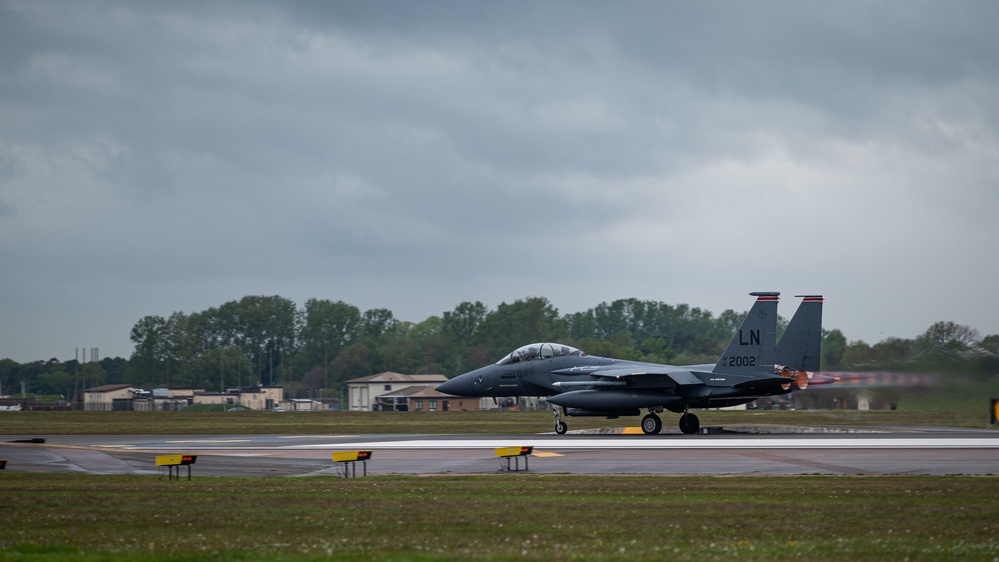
(172, 462)
(510, 457)
(347, 460)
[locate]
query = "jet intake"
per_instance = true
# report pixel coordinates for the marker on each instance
(612, 399)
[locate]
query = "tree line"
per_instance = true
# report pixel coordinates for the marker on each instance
(312, 350)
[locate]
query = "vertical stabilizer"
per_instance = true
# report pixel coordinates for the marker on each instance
(752, 348)
(800, 347)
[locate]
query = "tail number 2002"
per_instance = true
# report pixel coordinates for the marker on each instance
(740, 361)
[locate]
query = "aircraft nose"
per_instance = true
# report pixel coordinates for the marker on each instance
(458, 386)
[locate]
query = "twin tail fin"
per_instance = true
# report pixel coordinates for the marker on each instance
(752, 350)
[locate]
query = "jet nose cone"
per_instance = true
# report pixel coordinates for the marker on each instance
(458, 386)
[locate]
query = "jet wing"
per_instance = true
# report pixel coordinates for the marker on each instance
(640, 375)
(632, 373)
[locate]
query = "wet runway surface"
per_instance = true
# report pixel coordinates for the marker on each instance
(881, 451)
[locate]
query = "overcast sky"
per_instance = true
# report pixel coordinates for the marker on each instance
(172, 156)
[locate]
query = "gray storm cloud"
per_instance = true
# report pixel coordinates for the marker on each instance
(157, 157)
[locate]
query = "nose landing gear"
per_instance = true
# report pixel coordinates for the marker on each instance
(560, 426)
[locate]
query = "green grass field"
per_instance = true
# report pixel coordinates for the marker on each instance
(957, 405)
(208, 423)
(498, 517)
(49, 517)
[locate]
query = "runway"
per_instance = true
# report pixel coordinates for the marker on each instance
(916, 451)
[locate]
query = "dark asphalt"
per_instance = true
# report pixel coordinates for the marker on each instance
(874, 451)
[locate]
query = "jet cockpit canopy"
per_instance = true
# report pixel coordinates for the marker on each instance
(533, 351)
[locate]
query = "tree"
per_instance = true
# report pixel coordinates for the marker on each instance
(522, 322)
(461, 324)
(656, 350)
(147, 336)
(58, 382)
(618, 346)
(351, 363)
(833, 348)
(460, 327)
(265, 327)
(729, 321)
(399, 351)
(581, 325)
(9, 374)
(328, 328)
(114, 368)
(376, 323)
(314, 379)
(429, 338)
(990, 348)
(691, 331)
(948, 335)
(149, 356)
(857, 354)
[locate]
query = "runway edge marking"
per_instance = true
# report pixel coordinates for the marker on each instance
(819, 443)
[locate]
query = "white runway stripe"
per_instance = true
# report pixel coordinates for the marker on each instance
(633, 443)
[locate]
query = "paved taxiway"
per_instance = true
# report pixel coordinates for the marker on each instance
(924, 451)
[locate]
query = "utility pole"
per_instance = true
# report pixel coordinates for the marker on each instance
(76, 377)
(96, 369)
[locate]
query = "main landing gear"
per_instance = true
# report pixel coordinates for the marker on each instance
(689, 423)
(652, 424)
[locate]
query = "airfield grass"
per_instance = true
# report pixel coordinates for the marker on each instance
(492, 517)
(955, 405)
(41, 424)
(498, 517)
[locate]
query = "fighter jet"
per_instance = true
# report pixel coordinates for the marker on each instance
(577, 384)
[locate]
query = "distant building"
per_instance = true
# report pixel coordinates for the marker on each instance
(228, 398)
(164, 399)
(251, 397)
(302, 405)
(261, 397)
(127, 398)
(108, 397)
(425, 399)
(364, 391)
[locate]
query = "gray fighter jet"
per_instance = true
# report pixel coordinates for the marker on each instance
(577, 384)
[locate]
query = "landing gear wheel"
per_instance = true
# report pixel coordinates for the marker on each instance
(651, 424)
(689, 423)
(560, 426)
